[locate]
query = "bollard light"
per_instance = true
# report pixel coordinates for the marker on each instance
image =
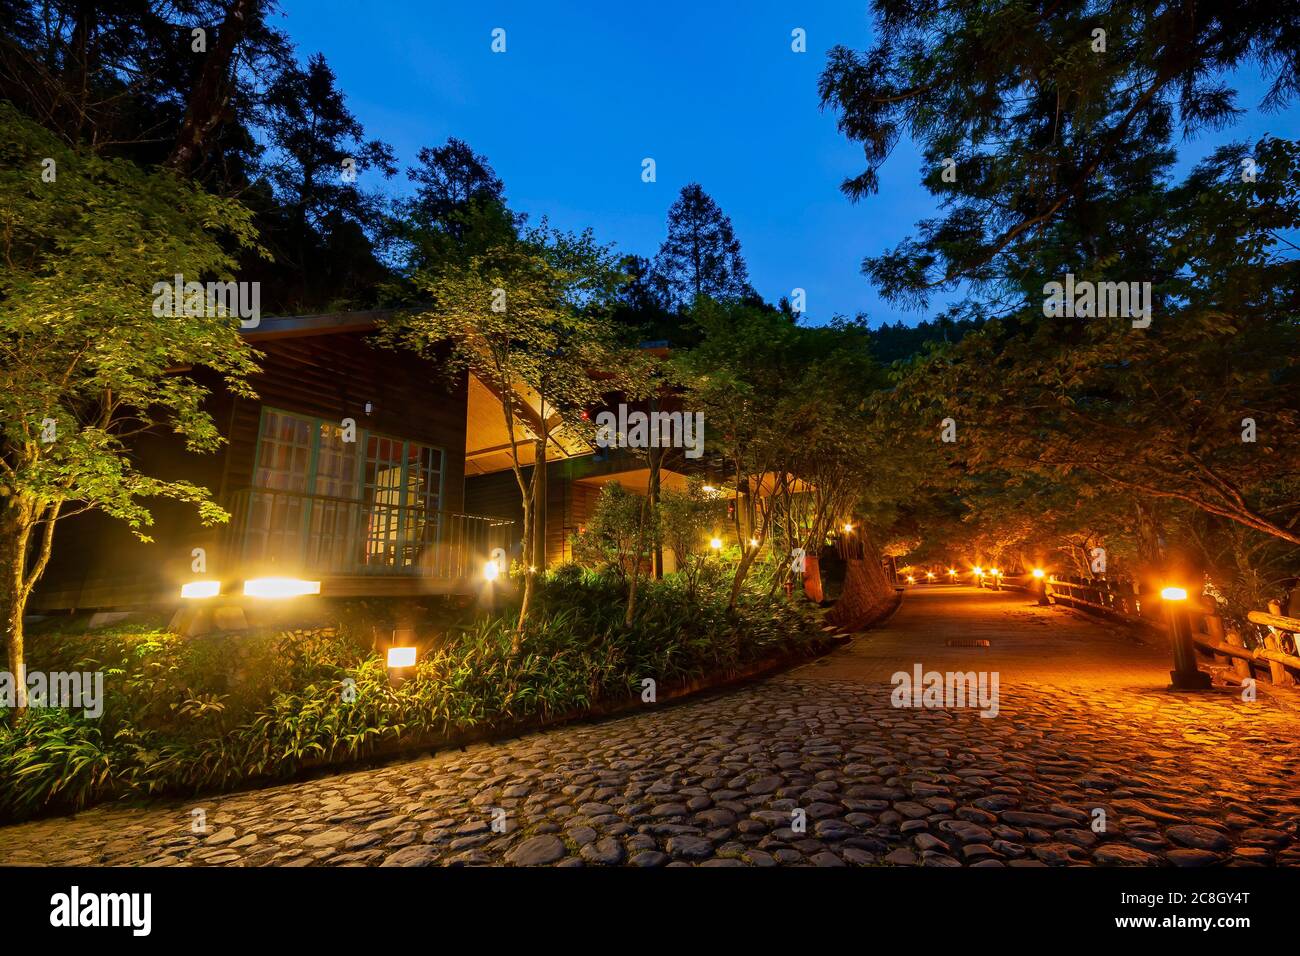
(401, 657)
(1185, 675)
(1041, 577)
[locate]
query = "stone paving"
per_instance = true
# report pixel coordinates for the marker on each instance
(812, 768)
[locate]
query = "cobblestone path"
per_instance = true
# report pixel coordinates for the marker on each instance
(814, 767)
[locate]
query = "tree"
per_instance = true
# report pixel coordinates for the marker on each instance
(701, 256)
(84, 364)
(318, 156)
(786, 408)
(131, 79)
(1047, 142)
(458, 209)
(1029, 116)
(613, 537)
(1160, 413)
(684, 519)
(527, 318)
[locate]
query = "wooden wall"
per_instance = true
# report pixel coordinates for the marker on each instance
(98, 563)
(568, 505)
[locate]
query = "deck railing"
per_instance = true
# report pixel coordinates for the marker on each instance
(327, 535)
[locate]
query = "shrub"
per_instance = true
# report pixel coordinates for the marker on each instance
(186, 715)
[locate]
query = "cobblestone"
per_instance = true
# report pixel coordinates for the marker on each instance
(1085, 731)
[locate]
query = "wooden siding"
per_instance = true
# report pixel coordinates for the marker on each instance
(568, 507)
(98, 563)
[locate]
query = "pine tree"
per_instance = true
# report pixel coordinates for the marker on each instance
(701, 256)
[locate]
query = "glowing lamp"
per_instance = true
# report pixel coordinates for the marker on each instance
(994, 571)
(753, 542)
(280, 587)
(979, 570)
(709, 489)
(200, 589)
(911, 580)
(930, 575)
(491, 571)
(848, 529)
(1038, 572)
(716, 544)
(1174, 594)
(401, 657)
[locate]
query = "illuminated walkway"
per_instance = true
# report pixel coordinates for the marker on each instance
(1088, 761)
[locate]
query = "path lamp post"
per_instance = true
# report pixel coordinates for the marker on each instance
(997, 578)
(979, 577)
(1185, 675)
(1040, 579)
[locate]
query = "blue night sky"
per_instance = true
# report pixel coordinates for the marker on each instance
(714, 95)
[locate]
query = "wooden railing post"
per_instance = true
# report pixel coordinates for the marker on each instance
(1240, 667)
(1276, 671)
(1214, 627)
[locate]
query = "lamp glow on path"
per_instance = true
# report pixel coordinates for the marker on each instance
(200, 589)
(280, 587)
(1174, 594)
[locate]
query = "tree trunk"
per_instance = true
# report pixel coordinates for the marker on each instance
(516, 639)
(867, 589)
(812, 578)
(15, 535)
(647, 513)
(866, 594)
(210, 96)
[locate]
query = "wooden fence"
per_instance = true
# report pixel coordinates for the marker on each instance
(1211, 634)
